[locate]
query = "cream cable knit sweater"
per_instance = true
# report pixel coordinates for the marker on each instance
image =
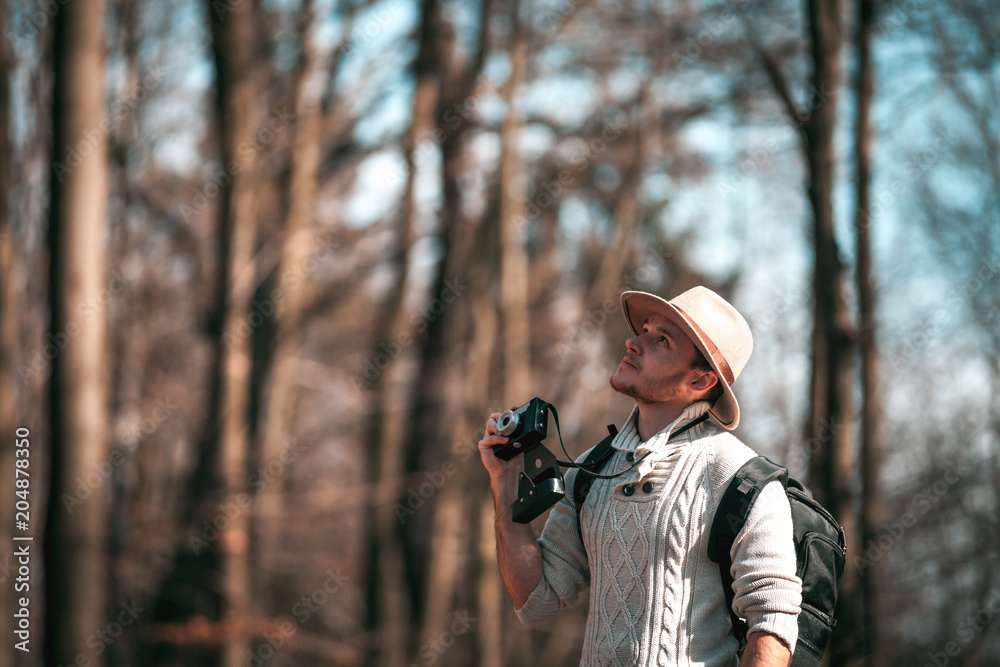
(655, 597)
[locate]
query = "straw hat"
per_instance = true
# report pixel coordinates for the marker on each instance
(713, 325)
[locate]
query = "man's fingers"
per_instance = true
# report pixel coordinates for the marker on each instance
(492, 440)
(491, 423)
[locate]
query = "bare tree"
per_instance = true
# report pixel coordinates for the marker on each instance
(831, 379)
(75, 564)
(388, 608)
(871, 396)
(208, 584)
(965, 237)
(621, 172)
(514, 268)
(123, 387)
(233, 37)
(296, 246)
(436, 404)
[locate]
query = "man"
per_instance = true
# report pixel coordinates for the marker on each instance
(641, 540)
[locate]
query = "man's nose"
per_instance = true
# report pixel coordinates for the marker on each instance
(632, 345)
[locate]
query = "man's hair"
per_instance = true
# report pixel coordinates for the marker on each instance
(701, 364)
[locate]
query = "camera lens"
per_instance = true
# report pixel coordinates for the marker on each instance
(507, 422)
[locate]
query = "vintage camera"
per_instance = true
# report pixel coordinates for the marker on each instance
(525, 427)
(540, 485)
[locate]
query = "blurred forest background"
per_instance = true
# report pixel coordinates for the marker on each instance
(268, 265)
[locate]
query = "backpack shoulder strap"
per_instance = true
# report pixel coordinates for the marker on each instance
(595, 460)
(730, 518)
(737, 500)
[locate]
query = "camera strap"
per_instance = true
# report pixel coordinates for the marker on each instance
(600, 454)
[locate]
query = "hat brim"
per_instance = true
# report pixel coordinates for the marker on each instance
(638, 306)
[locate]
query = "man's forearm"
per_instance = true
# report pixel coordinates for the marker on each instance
(765, 650)
(518, 552)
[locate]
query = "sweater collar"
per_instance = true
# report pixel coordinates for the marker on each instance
(628, 439)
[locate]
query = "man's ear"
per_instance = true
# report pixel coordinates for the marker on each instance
(704, 381)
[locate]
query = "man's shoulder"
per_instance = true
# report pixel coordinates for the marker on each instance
(726, 454)
(724, 448)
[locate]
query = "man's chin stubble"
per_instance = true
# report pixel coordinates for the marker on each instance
(623, 388)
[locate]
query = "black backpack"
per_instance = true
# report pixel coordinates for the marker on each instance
(820, 553)
(820, 546)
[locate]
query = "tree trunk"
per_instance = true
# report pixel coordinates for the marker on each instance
(387, 618)
(124, 385)
(829, 430)
(279, 408)
(490, 596)
(514, 269)
(74, 551)
(455, 513)
(870, 394)
(492, 599)
(233, 36)
(436, 397)
(828, 337)
(621, 245)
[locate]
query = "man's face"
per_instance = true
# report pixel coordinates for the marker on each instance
(658, 365)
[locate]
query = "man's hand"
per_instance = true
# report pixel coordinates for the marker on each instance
(498, 469)
(765, 650)
(517, 547)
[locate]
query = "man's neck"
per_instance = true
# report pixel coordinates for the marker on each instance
(654, 417)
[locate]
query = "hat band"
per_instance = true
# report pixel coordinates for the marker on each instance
(713, 349)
